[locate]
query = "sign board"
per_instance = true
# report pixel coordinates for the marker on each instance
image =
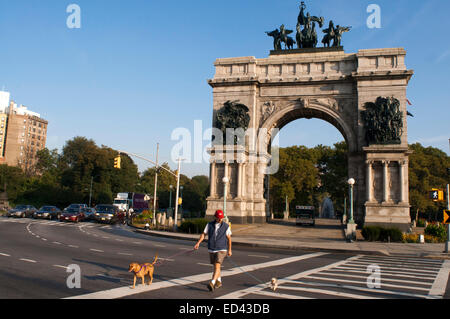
(305, 207)
(447, 217)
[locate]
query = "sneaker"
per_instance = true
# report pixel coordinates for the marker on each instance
(218, 284)
(210, 286)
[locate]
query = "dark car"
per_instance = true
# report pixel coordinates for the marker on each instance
(76, 206)
(305, 215)
(108, 214)
(22, 211)
(89, 213)
(72, 215)
(48, 212)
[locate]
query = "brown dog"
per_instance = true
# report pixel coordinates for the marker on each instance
(141, 270)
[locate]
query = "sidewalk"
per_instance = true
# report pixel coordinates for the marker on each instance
(327, 236)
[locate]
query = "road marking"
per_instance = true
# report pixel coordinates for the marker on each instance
(239, 294)
(440, 284)
(137, 243)
(44, 239)
(125, 254)
(6, 255)
(97, 250)
(119, 239)
(126, 291)
(279, 295)
(157, 245)
(28, 260)
(384, 271)
(327, 292)
(105, 237)
(56, 243)
(258, 256)
(73, 246)
(202, 264)
(59, 266)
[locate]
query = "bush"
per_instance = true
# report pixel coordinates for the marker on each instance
(421, 223)
(411, 238)
(377, 233)
(371, 233)
(193, 226)
(437, 231)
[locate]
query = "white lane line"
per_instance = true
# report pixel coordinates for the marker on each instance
(125, 254)
(440, 284)
(56, 243)
(202, 264)
(59, 266)
(336, 271)
(73, 246)
(258, 256)
(327, 292)
(97, 250)
(119, 239)
(137, 243)
(105, 237)
(383, 279)
(386, 271)
(5, 255)
(279, 295)
(418, 270)
(126, 291)
(406, 260)
(28, 260)
(399, 264)
(365, 283)
(157, 245)
(44, 239)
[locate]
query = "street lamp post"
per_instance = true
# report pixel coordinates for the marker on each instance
(351, 226)
(351, 182)
(225, 181)
(170, 200)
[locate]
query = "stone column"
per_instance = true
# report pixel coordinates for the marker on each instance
(402, 165)
(369, 181)
(239, 180)
(213, 180)
(385, 181)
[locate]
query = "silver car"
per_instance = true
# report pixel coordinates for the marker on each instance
(22, 211)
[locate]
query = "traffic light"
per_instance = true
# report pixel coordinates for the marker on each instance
(437, 195)
(117, 162)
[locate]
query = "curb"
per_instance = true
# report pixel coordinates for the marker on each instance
(237, 242)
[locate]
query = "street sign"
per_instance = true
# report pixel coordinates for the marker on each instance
(447, 217)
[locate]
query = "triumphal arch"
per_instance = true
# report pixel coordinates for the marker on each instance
(362, 94)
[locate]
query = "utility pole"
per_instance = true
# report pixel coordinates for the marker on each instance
(175, 225)
(156, 183)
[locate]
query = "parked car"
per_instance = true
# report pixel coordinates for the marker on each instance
(305, 215)
(48, 212)
(76, 206)
(108, 214)
(22, 211)
(72, 215)
(89, 213)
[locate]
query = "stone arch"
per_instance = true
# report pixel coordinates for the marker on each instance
(303, 108)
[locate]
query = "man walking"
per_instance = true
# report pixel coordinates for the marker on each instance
(219, 245)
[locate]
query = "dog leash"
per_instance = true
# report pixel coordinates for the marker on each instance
(249, 274)
(159, 263)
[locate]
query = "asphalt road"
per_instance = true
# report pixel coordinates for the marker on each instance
(35, 254)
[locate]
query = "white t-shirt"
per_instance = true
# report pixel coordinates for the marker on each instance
(228, 233)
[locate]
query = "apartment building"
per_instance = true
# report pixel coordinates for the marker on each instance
(22, 133)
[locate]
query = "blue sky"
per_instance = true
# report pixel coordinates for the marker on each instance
(138, 69)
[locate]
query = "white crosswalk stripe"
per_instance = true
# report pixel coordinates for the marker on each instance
(350, 278)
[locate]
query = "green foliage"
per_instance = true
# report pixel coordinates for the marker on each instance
(427, 170)
(308, 175)
(377, 233)
(193, 226)
(437, 231)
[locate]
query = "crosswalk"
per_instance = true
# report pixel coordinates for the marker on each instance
(360, 277)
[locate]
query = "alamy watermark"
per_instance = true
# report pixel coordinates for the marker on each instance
(374, 279)
(374, 19)
(74, 19)
(74, 279)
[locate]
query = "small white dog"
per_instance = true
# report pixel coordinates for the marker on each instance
(274, 284)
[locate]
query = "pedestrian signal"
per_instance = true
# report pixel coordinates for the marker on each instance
(117, 162)
(437, 195)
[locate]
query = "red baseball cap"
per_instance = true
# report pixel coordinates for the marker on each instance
(219, 214)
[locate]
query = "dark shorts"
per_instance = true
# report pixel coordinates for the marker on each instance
(217, 258)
